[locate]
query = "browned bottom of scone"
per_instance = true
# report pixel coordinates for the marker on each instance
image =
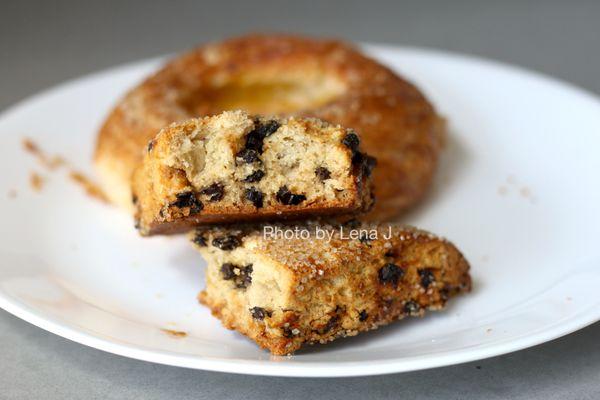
(284, 293)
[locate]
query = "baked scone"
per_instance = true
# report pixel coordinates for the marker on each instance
(287, 285)
(284, 75)
(233, 167)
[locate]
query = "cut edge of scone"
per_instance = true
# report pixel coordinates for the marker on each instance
(313, 287)
(234, 167)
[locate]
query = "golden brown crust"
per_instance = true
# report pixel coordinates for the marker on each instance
(192, 173)
(325, 288)
(281, 74)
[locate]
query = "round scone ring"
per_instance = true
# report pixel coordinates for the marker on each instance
(278, 74)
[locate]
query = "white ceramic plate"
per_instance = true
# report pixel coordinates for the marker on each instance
(518, 192)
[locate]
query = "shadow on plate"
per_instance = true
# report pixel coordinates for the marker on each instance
(454, 161)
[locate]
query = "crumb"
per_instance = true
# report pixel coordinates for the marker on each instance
(12, 194)
(90, 187)
(29, 145)
(488, 330)
(502, 190)
(54, 162)
(36, 181)
(51, 163)
(485, 258)
(526, 193)
(175, 334)
(511, 179)
(158, 295)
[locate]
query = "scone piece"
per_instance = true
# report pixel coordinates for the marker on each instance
(286, 285)
(233, 167)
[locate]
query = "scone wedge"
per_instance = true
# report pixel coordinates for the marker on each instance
(233, 167)
(287, 285)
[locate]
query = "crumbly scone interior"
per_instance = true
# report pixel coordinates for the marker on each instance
(265, 282)
(263, 296)
(257, 282)
(298, 156)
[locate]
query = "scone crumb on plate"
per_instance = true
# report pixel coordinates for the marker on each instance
(174, 333)
(36, 181)
(90, 187)
(54, 162)
(50, 162)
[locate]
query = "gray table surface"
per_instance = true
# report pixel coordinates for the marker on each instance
(43, 43)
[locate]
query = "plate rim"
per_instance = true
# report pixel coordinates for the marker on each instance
(306, 369)
(53, 324)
